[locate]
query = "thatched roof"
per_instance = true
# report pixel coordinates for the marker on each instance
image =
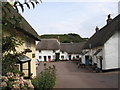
(48, 44)
(101, 36)
(72, 48)
(24, 26)
(53, 44)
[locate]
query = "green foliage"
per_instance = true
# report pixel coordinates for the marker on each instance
(46, 79)
(65, 38)
(27, 3)
(18, 4)
(9, 43)
(9, 57)
(8, 63)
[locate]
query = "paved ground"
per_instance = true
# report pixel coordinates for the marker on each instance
(69, 76)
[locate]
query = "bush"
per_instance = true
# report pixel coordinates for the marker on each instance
(9, 53)
(46, 79)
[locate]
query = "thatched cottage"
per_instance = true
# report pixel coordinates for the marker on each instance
(53, 50)
(102, 47)
(22, 30)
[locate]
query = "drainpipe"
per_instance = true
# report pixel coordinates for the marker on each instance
(90, 46)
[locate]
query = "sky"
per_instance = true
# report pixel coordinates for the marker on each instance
(70, 17)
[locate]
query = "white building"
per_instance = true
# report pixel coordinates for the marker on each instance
(73, 50)
(102, 47)
(53, 50)
(47, 49)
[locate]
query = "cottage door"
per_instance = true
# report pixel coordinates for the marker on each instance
(45, 59)
(69, 57)
(57, 56)
(87, 60)
(101, 62)
(49, 58)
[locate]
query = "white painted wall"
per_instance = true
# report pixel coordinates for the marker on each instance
(52, 54)
(118, 50)
(74, 56)
(65, 54)
(83, 59)
(45, 53)
(103, 61)
(111, 52)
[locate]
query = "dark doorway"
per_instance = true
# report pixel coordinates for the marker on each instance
(69, 57)
(87, 60)
(101, 58)
(45, 59)
(77, 57)
(49, 58)
(57, 56)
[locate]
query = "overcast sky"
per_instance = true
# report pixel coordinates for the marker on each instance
(70, 17)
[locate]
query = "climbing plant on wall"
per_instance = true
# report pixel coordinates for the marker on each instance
(9, 43)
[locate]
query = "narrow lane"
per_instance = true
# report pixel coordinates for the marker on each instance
(69, 76)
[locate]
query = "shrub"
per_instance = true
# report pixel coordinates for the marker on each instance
(15, 81)
(46, 79)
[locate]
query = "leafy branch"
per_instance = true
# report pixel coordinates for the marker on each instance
(18, 4)
(27, 3)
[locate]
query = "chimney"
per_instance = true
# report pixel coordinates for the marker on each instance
(109, 19)
(96, 29)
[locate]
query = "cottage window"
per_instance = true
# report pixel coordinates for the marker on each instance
(39, 51)
(28, 44)
(62, 51)
(53, 51)
(40, 57)
(33, 55)
(62, 57)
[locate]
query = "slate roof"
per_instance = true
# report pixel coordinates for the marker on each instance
(48, 44)
(72, 48)
(101, 36)
(24, 26)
